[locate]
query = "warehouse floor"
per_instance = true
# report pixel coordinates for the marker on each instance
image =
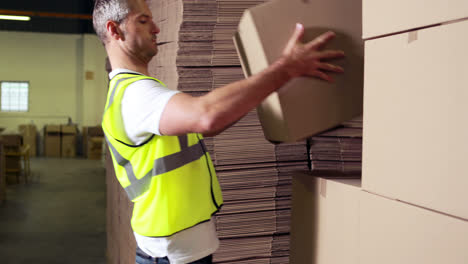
(58, 217)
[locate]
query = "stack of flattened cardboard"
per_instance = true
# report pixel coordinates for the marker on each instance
(255, 176)
(120, 239)
(196, 52)
(229, 13)
(339, 149)
(197, 55)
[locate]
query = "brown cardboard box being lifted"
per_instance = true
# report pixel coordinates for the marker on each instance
(304, 106)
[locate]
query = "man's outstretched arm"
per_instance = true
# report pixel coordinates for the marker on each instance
(218, 109)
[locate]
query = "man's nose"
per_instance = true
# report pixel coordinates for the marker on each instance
(156, 29)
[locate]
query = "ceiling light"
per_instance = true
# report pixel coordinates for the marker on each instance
(21, 18)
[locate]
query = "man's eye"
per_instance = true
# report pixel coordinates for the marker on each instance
(142, 21)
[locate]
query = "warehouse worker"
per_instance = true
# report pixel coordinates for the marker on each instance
(155, 133)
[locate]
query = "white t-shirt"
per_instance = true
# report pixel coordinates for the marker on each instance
(142, 105)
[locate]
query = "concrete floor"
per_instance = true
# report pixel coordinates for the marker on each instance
(58, 217)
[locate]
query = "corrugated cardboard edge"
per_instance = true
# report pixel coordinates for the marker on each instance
(242, 57)
(253, 60)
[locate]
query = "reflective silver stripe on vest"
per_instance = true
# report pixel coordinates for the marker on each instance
(111, 99)
(161, 165)
(123, 162)
(183, 141)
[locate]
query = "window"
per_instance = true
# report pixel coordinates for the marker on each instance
(15, 96)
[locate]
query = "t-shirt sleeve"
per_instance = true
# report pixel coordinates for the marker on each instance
(142, 105)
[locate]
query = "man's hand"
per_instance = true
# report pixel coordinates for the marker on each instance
(218, 109)
(309, 59)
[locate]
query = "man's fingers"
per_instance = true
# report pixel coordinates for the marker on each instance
(330, 54)
(295, 38)
(321, 40)
(322, 76)
(330, 67)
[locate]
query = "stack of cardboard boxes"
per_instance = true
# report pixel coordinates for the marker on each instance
(410, 206)
(12, 143)
(29, 133)
(415, 126)
(68, 135)
(52, 141)
(93, 138)
(60, 140)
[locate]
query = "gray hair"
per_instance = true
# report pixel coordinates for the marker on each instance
(105, 10)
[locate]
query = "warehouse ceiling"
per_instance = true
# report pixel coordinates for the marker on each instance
(51, 16)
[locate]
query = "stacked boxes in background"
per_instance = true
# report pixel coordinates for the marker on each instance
(68, 140)
(52, 141)
(412, 203)
(392, 231)
(410, 206)
(29, 133)
(12, 143)
(62, 141)
(415, 148)
(93, 139)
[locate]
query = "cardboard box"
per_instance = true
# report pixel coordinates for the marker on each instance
(381, 17)
(29, 133)
(305, 105)
(395, 232)
(93, 137)
(95, 131)
(325, 220)
(415, 145)
(68, 140)
(52, 141)
(12, 142)
(94, 150)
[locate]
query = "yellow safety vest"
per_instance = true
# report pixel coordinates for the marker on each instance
(171, 179)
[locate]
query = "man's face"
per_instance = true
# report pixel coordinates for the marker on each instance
(140, 31)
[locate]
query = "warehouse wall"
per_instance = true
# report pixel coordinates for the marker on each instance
(66, 74)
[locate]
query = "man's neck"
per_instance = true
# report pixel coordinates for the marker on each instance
(120, 61)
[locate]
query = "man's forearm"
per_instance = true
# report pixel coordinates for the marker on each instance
(215, 111)
(226, 105)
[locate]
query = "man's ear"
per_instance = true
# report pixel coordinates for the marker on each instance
(114, 31)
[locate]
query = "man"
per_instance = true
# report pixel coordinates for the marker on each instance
(155, 134)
